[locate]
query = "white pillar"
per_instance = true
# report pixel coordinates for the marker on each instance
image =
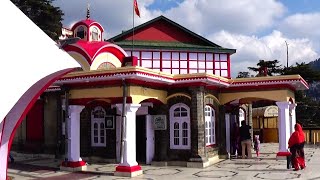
(283, 125)
(129, 149)
(293, 120)
(74, 133)
(74, 162)
(129, 166)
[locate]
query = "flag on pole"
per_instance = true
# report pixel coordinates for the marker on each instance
(136, 8)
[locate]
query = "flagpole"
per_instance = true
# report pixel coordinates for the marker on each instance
(132, 26)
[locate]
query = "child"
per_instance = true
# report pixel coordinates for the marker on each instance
(256, 144)
(11, 158)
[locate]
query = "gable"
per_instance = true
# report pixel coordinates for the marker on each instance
(163, 31)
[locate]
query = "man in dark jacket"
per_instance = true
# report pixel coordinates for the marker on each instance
(245, 138)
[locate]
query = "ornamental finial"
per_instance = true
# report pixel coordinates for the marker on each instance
(88, 11)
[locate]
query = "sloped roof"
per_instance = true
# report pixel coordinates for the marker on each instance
(205, 43)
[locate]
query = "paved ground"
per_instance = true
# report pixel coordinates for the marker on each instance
(265, 167)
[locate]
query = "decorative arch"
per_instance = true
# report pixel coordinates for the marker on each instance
(113, 49)
(82, 60)
(178, 94)
(139, 94)
(211, 99)
(153, 101)
(106, 65)
(273, 95)
(105, 57)
(98, 102)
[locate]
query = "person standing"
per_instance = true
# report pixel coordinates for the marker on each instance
(245, 138)
(296, 145)
(256, 145)
(236, 140)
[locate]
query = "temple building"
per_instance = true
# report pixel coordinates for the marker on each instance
(163, 95)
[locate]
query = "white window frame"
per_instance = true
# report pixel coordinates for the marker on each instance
(210, 120)
(99, 121)
(180, 120)
(95, 34)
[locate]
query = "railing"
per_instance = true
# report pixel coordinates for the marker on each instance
(312, 135)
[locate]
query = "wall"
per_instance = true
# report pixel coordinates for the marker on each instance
(50, 121)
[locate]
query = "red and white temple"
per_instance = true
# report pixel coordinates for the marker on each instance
(168, 98)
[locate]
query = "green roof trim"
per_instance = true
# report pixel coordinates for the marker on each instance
(171, 46)
(118, 38)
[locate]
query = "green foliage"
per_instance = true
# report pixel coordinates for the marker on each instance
(243, 75)
(304, 70)
(43, 14)
(308, 109)
(315, 65)
(271, 67)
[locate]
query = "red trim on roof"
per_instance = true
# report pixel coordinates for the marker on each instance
(69, 48)
(258, 87)
(90, 50)
(88, 23)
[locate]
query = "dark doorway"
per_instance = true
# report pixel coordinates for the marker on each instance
(141, 139)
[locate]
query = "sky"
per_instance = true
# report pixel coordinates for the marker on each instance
(257, 29)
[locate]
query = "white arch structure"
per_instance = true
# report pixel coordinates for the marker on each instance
(31, 61)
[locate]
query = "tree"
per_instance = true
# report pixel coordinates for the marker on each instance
(243, 74)
(308, 107)
(304, 70)
(265, 68)
(43, 14)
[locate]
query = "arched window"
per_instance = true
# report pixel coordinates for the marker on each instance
(95, 34)
(210, 119)
(98, 130)
(80, 32)
(106, 65)
(180, 127)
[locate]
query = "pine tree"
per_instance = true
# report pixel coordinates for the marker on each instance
(43, 14)
(267, 68)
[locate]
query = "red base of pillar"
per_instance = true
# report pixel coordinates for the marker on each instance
(73, 164)
(283, 154)
(128, 171)
(128, 168)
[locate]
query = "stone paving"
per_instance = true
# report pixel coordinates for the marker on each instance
(265, 167)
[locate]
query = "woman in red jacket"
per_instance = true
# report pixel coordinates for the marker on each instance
(296, 145)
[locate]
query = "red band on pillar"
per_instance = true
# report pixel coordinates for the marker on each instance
(128, 168)
(73, 164)
(283, 154)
